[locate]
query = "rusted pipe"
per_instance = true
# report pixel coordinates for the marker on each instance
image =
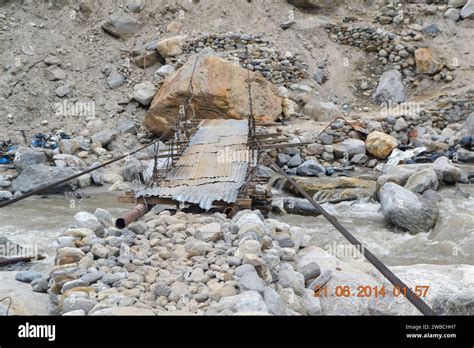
(130, 216)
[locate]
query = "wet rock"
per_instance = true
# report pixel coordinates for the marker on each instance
(298, 206)
(36, 176)
(213, 78)
(407, 210)
(390, 88)
(334, 189)
(310, 168)
(25, 157)
(380, 145)
(445, 169)
(5, 195)
(349, 147)
(423, 180)
(121, 25)
(465, 156)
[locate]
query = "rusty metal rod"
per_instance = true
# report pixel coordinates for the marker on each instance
(131, 216)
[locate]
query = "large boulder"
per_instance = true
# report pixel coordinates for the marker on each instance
(40, 175)
(426, 63)
(407, 210)
(26, 157)
(390, 88)
(332, 189)
(220, 90)
(380, 145)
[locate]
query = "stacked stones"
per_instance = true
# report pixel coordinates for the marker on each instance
(281, 69)
(440, 121)
(183, 263)
(386, 44)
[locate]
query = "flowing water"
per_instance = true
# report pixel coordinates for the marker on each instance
(450, 242)
(39, 220)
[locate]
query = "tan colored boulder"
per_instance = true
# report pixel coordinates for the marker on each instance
(220, 91)
(171, 47)
(426, 62)
(380, 145)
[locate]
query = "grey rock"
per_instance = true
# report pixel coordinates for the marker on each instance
(423, 180)
(349, 146)
(275, 303)
(88, 220)
(265, 171)
(25, 157)
(121, 25)
(308, 266)
(322, 111)
(284, 240)
(465, 156)
(144, 92)
(295, 161)
(282, 159)
(359, 159)
(233, 261)
(36, 176)
(390, 88)
(310, 168)
(407, 210)
(250, 281)
(165, 71)
(27, 276)
(289, 278)
(77, 283)
(161, 289)
(126, 126)
(5, 195)
(299, 206)
(249, 301)
(72, 303)
(63, 90)
(446, 170)
(115, 80)
(452, 14)
(104, 137)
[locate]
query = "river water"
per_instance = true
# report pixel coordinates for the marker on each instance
(450, 242)
(39, 220)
